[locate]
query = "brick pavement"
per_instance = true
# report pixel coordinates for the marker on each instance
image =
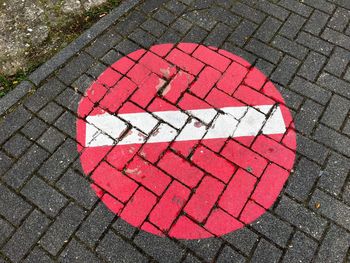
(48, 211)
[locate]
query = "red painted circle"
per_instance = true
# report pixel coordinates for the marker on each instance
(185, 140)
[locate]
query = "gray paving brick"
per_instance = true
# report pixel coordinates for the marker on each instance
(44, 196)
(248, 12)
(6, 162)
(266, 52)
(12, 122)
(336, 38)
(251, 58)
(292, 99)
(77, 253)
(191, 259)
(17, 145)
(175, 7)
(34, 128)
(93, 227)
(303, 179)
(161, 249)
(61, 230)
(292, 26)
(142, 38)
(242, 239)
(66, 123)
(266, 253)
(69, 99)
(347, 75)
(44, 94)
(229, 255)
(205, 248)
(312, 65)
(110, 58)
(218, 35)
(5, 231)
(314, 43)
(302, 249)
(264, 66)
(273, 228)
(322, 5)
(331, 208)
(154, 27)
(308, 116)
(199, 4)
(200, 18)
(290, 47)
(346, 129)
(336, 112)
(164, 16)
(334, 246)
(181, 25)
(316, 23)
(170, 36)
(195, 35)
(338, 61)
(285, 70)
(340, 19)
(268, 29)
(26, 236)
(50, 112)
(224, 15)
(333, 139)
(115, 249)
(333, 177)
(311, 149)
(124, 228)
(272, 9)
(296, 7)
(132, 21)
(25, 166)
(310, 90)
(103, 43)
(301, 217)
(346, 194)
(242, 33)
(51, 139)
(38, 255)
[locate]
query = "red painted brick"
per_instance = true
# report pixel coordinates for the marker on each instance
(289, 139)
(232, 78)
(177, 86)
(169, 206)
(123, 65)
(146, 226)
(212, 58)
(251, 212)
(213, 163)
(251, 97)
(185, 228)
(270, 91)
(235, 58)
(117, 95)
(184, 148)
(220, 223)
(121, 154)
(85, 107)
(237, 192)
(185, 61)
(158, 65)
(244, 158)
(147, 90)
(187, 47)
(109, 77)
(161, 105)
(162, 50)
(148, 175)
(89, 164)
(136, 55)
(152, 151)
(180, 169)
(203, 200)
(142, 202)
(113, 204)
(255, 79)
(138, 74)
(96, 92)
(274, 151)
(205, 82)
(189, 102)
(219, 99)
(114, 182)
(269, 185)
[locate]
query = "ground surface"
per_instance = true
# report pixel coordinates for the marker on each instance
(48, 212)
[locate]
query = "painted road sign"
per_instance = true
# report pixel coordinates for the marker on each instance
(185, 140)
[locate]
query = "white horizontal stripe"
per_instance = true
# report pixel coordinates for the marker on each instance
(106, 129)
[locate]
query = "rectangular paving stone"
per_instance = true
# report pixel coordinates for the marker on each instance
(181, 25)
(301, 217)
(59, 161)
(124, 228)
(34, 128)
(336, 38)
(115, 249)
(290, 47)
(26, 236)
(303, 179)
(133, 20)
(142, 38)
(322, 5)
(340, 19)
(196, 35)
(51, 139)
(266, 252)
(302, 249)
(243, 32)
(268, 29)
(154, 27)
(285, 70)
(311, 149)
(5, 231)
(266, 52)
(296, 7)
(333, 139)
(38, 255)
(164, 16)
(66, 123)
(272, 227)
(69, 99)
(78, 188)
(169, 36)
(161, 249)
(224, 15)
(44, 94)
(205, 248)
(316, 22)
(25, 166)
(61, 230)
(307, 118)
(335, 245)
(6, 162)
(218, 35)
(50, 112)
(13, 122)
(292, 25)
(12, 207)
(243, 239)
(229, 255)
(16, 145)
(310, 90)
(312, 65)
(95, 224)
(272, 9)
(314, 43)
(334, 175)
(77, 253)
(338, 61)
(248, 12)
(331, 208)
(336, 112)
(292, 99)
(44, 196)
